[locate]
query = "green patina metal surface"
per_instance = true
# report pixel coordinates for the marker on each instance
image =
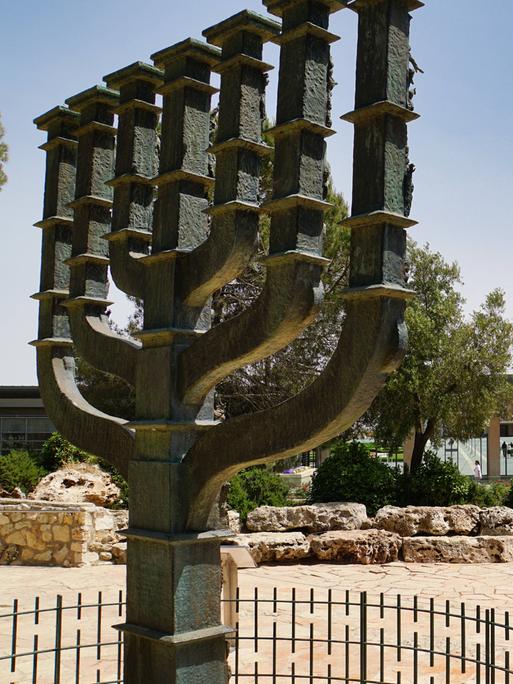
(141, 207)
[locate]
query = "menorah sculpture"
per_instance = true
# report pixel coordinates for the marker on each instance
(175, 251)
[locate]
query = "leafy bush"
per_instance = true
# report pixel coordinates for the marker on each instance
(487, 495)
(351, 474)
(435, 483)
(57, 452)
(20, 469)
(256, 487)
(508, 499)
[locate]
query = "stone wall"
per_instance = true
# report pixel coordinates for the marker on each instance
(67, 535)
(341, 532)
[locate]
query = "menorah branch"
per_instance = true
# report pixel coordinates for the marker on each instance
(89, 429)
(316, 415)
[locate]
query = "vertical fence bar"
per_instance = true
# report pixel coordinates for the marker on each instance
(478, 663)
(255, 620)
(487, 646)
(478, 619)
(312, 601)
(99, 628)
(398, 628)
(14, 634)
(58, 641)
(275, 599)
(382, 606)
(415, 658)
(492, 645)
(330, 619)
(347, 601)
(120, 655)
(77, 658)
(415, 608)
(447, 613)
(311, 654)
(293, 673)
(506, 667)
(363, 636)
(274, 652)
(346, 654)
(293, 621)
(448, 660)
(381, 655)
(236, 658)
(79, 606)
(431, 632)
(463, 639)
(34, 659)
(36, 610)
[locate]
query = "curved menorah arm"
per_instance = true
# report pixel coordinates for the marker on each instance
(373, 339)
(293, 291)
(289, 301)
(78, 421)
(330, 405)
(137, 153)
(81, 423)
(93, 339)
(238, 151)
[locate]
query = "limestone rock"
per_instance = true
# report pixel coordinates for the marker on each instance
(118, 552)
(357, 546)
(78, 483)
(234, 523)
(497, 521)
(458, 549)
(431, 520)
(274, 546)
(313, 518)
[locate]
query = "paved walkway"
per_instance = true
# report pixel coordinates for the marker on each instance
(490, 586)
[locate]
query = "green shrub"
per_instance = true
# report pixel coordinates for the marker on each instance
(57, 452)
(435, 483)
(508, 499)
(487, 495)
(256, 487)
(20, 469)
(351, 474)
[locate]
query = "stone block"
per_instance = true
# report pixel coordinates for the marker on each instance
(274, 546)
(458, 549)
(364, 547)
(61, 533)
(16, 537)
(428, 520)
(312, 518)
(497, 520)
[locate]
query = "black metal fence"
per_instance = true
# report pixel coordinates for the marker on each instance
(293, 636)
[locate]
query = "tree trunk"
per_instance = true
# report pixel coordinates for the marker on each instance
(419, 445)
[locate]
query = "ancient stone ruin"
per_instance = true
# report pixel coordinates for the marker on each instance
(120, 195)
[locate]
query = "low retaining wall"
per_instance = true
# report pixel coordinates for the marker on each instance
(67, 535)
(341, 532)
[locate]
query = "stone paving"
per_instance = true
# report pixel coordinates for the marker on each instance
(487, 585)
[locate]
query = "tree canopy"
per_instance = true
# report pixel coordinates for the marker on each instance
(454, 377)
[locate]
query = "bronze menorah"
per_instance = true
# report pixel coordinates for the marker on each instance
(141, 205)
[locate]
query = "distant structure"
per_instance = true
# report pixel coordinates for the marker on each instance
(141, 205)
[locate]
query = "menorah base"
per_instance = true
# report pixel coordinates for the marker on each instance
(190, 658)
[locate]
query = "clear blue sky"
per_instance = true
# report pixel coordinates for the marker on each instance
(462, 146)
